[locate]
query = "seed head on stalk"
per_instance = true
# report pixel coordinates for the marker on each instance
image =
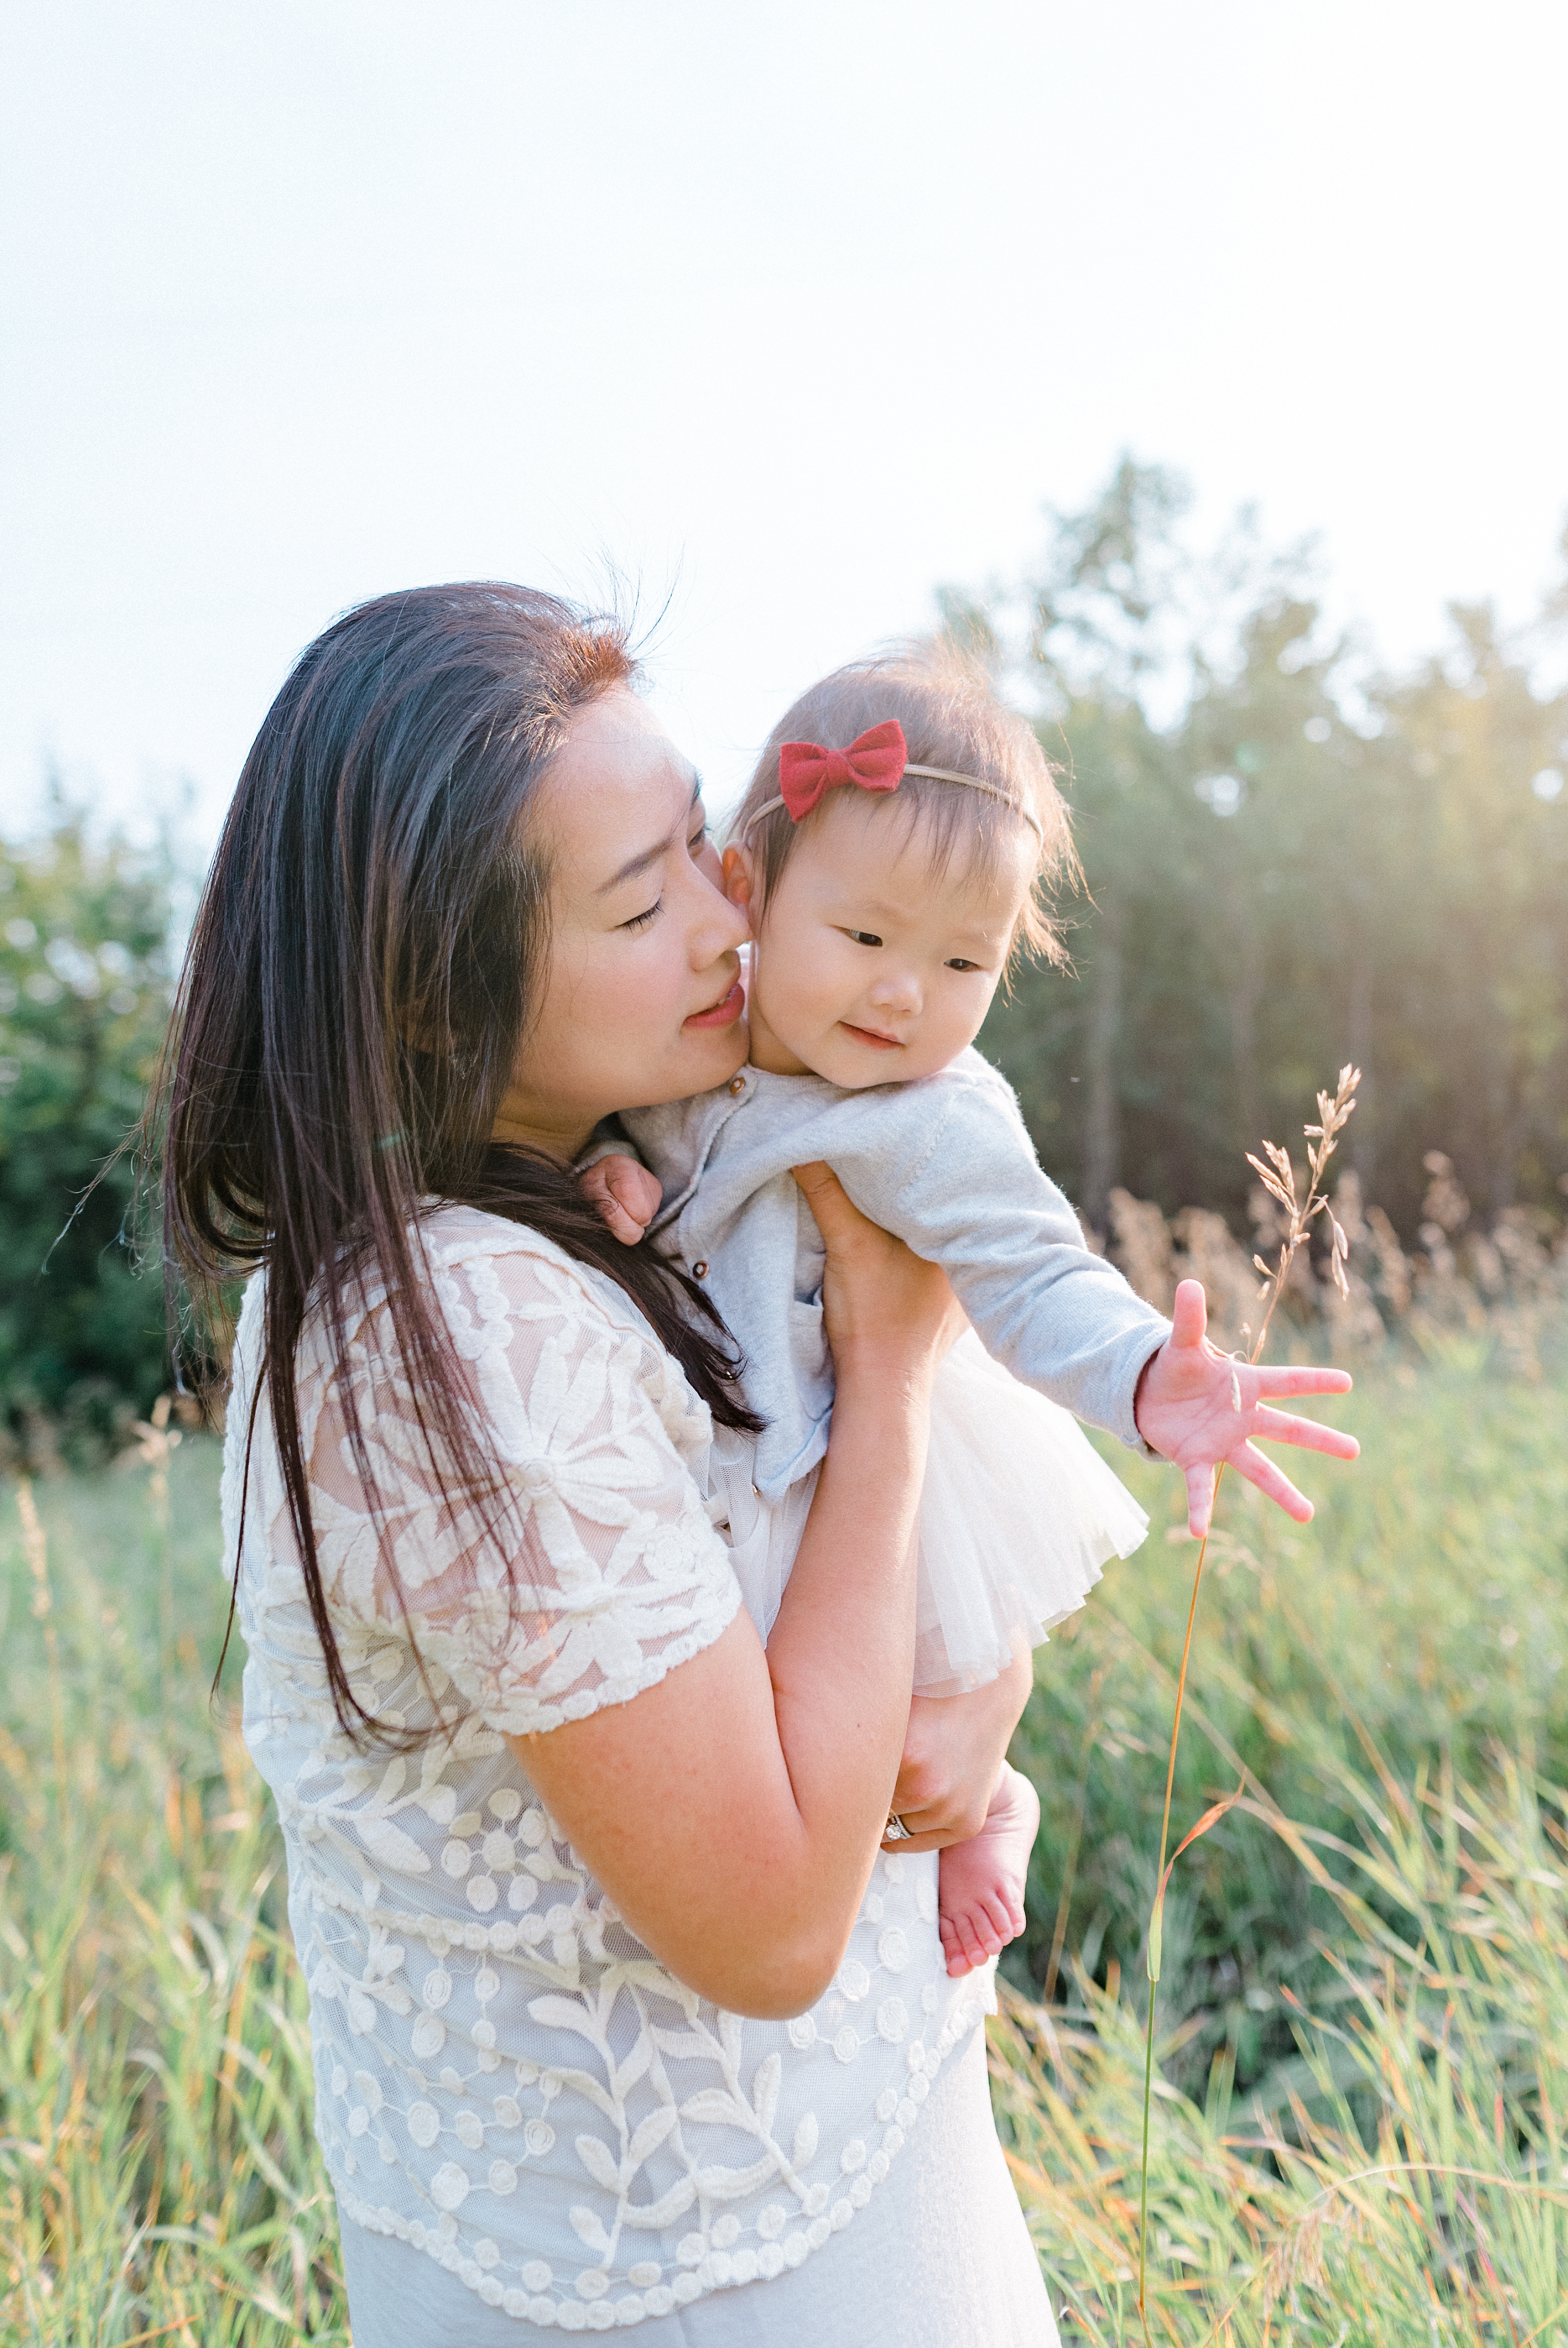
(1277, 1173)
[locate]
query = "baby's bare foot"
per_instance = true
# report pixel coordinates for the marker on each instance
(980, 1882)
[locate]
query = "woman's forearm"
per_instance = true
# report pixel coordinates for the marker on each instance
(734, 1811)
(842, 1652)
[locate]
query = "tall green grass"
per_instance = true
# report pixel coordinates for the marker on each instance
(1423, 1613)
(159, 2180)
(1405, 2181)
(1364, 2042)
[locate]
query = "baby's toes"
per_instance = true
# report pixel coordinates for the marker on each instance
(964, 1952)
(1005, 1914)
(958, 1965)
(980, 1935)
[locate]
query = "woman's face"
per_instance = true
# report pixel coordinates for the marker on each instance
(642, 1000)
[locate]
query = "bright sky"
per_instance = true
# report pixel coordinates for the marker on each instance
(795, 312)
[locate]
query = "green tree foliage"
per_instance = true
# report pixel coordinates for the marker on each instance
(84, 995)
(1289, 864)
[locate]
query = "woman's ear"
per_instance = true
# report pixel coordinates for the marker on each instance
(739, 873)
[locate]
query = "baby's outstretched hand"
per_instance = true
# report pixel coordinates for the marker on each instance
(1199, 1407)
(626, 1194)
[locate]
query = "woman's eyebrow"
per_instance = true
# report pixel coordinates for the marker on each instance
(640, 862)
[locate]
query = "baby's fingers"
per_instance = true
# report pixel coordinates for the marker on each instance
(1200, 1499)
(1272, 1482)
(623, 1226)
(1302, 1381)
(637, 1187)
(1306, 1434)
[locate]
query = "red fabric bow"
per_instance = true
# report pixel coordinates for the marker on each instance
(875, 760)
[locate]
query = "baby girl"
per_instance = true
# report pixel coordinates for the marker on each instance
(892, 851)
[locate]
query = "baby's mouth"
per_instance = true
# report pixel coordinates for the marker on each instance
(873, 1036)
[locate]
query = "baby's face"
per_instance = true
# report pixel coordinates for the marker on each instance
(873, 967)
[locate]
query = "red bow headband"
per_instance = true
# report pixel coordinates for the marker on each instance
(876, 760)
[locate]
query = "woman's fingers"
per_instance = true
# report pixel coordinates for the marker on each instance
(829, 1201)
(1306, 1434)
(877, 1294)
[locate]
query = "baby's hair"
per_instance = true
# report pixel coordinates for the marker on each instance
(952, 718)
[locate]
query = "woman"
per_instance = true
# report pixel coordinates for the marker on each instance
(620, 2016)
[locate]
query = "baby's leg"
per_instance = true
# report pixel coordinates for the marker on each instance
(980, 1882)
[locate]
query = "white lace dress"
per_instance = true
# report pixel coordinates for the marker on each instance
(544, 2126)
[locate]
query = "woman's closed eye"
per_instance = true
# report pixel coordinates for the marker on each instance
(695, 842)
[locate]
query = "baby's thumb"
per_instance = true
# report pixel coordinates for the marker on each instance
(1188, 1314)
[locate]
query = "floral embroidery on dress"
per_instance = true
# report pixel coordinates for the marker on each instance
(507, 2078)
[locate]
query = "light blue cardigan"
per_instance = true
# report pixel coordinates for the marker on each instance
(946, 1165)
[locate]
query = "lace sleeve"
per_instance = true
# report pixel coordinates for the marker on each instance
(610, 1572)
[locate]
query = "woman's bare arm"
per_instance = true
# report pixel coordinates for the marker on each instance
(734, 1811)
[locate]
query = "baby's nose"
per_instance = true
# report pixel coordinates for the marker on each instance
(896, 989)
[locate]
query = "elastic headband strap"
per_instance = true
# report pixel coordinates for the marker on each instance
(935, 775)
(977, 783)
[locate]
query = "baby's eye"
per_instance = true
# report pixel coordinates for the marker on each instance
(640, 921)
(862, 938)
(958, 962)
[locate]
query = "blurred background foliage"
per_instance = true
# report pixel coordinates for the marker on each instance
(86, 939)
(1291, 859)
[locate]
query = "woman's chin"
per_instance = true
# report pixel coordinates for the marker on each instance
(723, 1051)
(703, 1059)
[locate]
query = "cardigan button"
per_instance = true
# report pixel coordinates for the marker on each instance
(699, 1271)
(738, 1083)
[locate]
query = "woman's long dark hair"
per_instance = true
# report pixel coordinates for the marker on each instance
(356, 989)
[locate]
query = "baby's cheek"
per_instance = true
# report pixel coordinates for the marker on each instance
(963, 1020)
(788, 994)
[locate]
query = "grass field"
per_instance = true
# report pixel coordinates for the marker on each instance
(1358, 2134)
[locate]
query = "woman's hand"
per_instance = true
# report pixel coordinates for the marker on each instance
(1199, 1408)
(887, 1310)
(952, 1754)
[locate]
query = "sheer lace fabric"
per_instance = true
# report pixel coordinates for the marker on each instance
(506, 2078)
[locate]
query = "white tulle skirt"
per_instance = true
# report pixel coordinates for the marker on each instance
(1017, 1516)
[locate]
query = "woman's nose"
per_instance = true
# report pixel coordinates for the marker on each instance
(718, 927)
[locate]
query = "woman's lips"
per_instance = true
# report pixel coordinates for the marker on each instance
(869, 1035)
(721, 1014)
